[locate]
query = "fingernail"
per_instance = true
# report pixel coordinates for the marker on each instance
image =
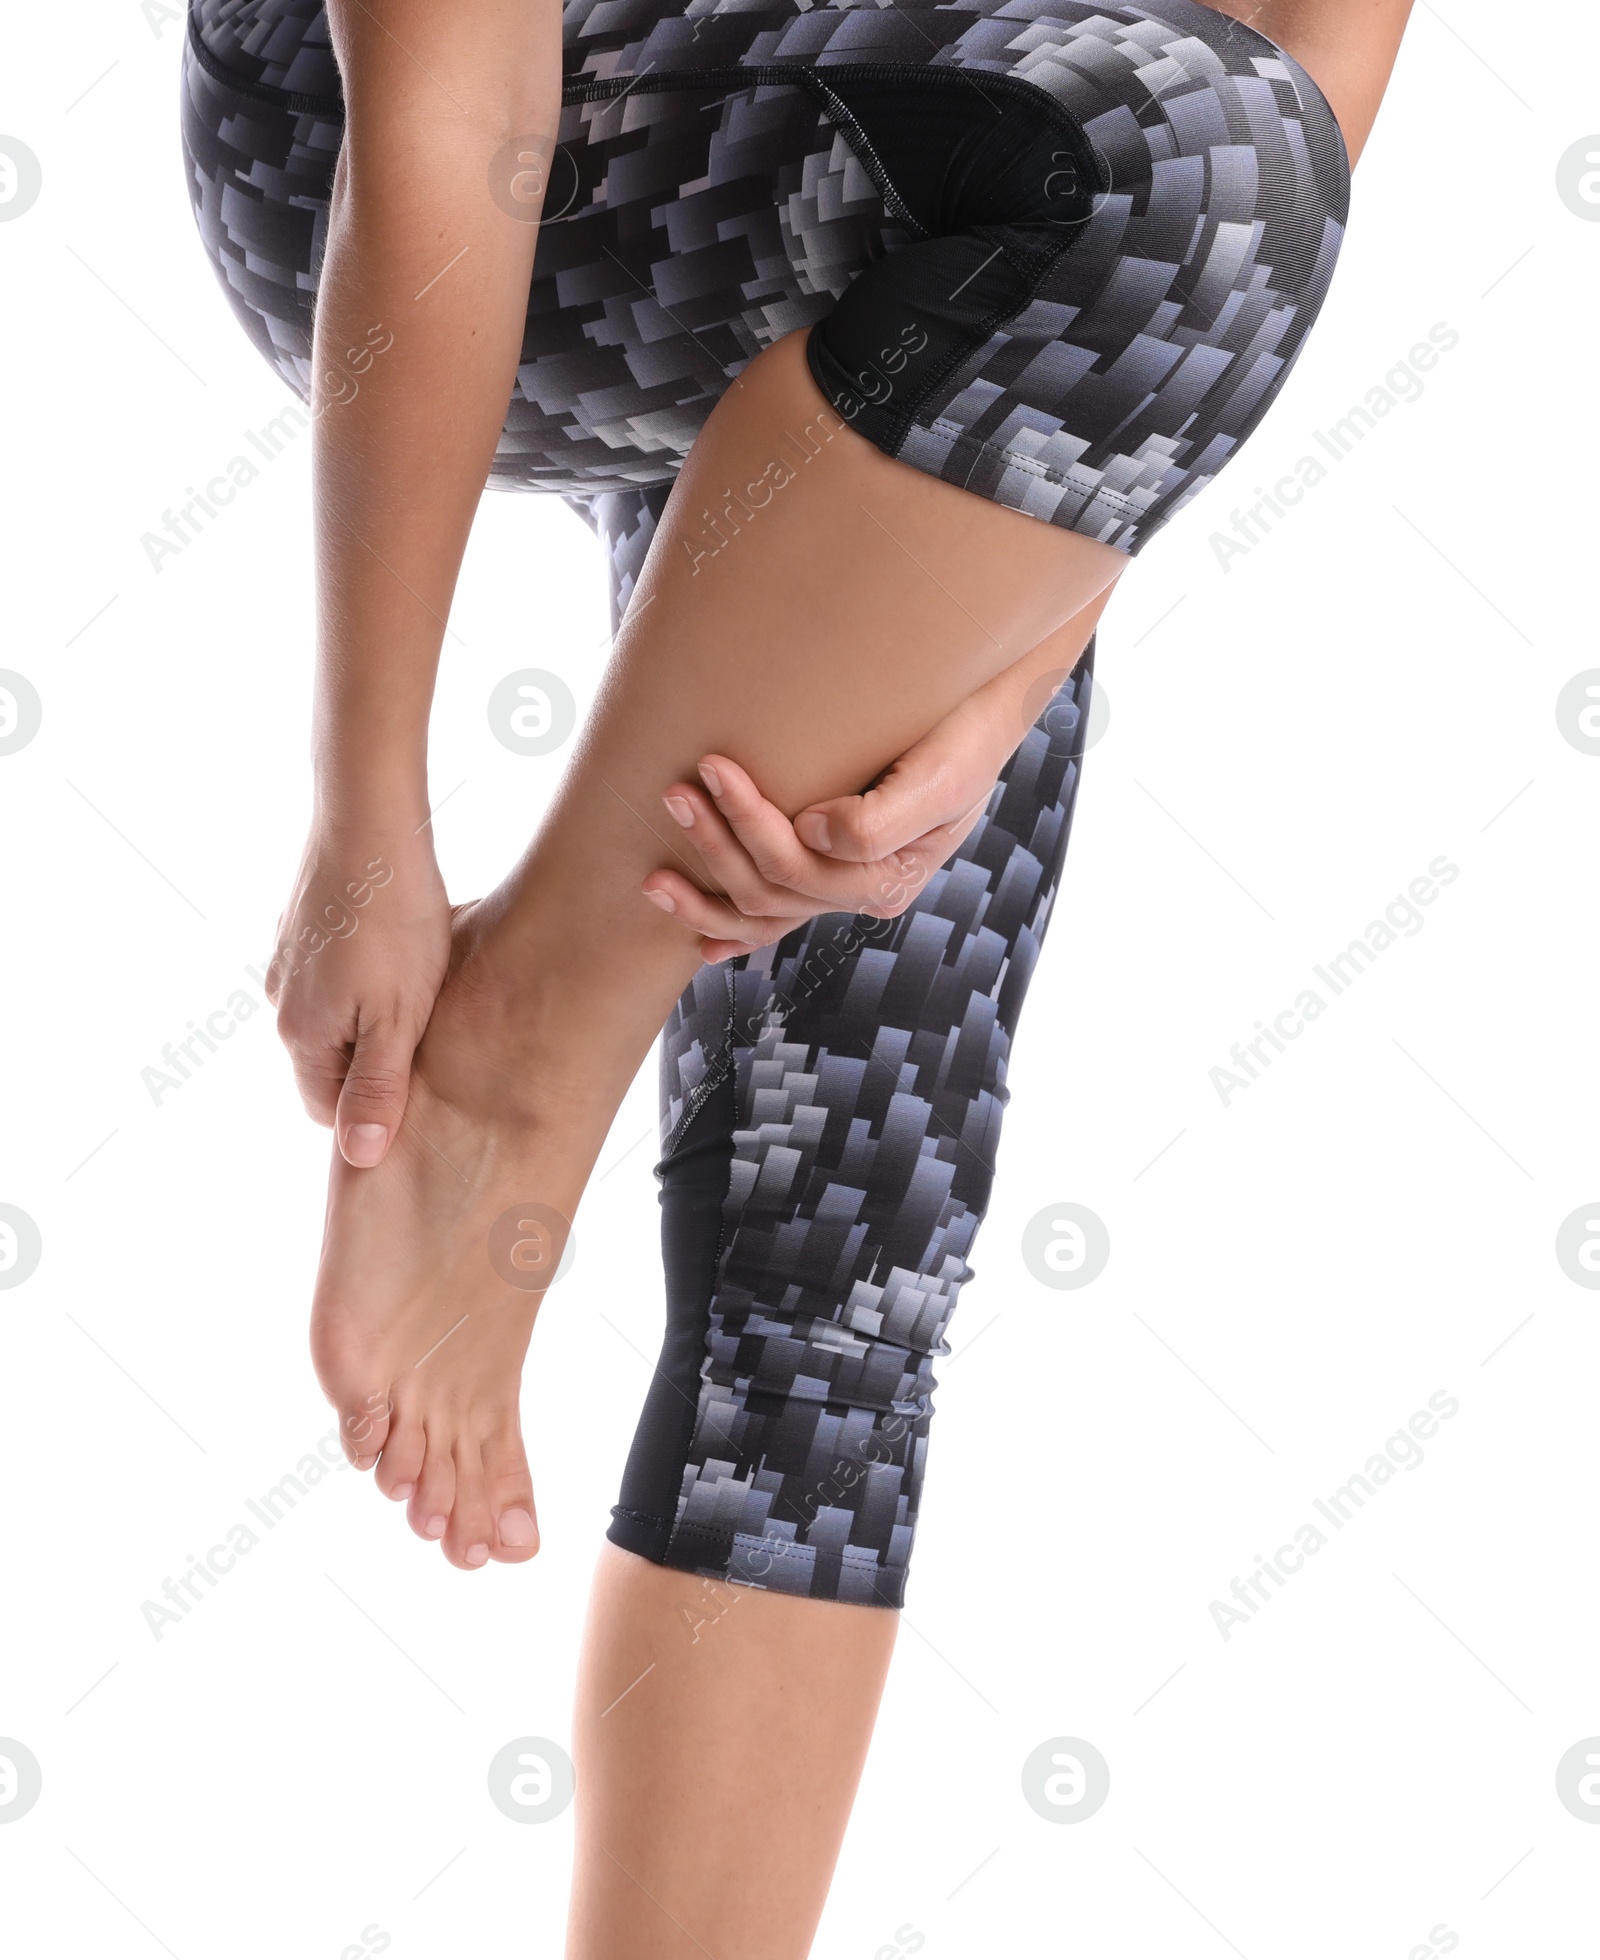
(518, 1528)
(663, 899)
(400, 1493)
(711, 779)
(436, 1527)
(815, 832)
(364, 1144)
(680, 809)
(476, 1554)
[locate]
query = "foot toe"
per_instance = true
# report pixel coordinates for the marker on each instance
(518, 1532)
(403, 1452)
(364, 1426)
(471, 1530)
(434, 1497)
(511, 1505)
(346, 1373)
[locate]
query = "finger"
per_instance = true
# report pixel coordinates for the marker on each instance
(714, 951)
(759, 825)
(919, 794)
(916, 864)
(319, 1072)
(710, 916)
(880, 890)
(768, 842)
(373, 1098)
(729, 867)
(899, 880)
(853, 829)
(273, 979)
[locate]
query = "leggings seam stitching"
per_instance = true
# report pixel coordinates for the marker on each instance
(1044, 471)
(779, 1543)
(709, 1083)
(762, 75)
(329, 106)
(639, 1517)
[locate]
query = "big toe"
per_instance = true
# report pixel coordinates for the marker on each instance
(364, 1420)
(347, 1378)
(510, 1487)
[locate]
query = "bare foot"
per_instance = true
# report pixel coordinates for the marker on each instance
(434, 1264)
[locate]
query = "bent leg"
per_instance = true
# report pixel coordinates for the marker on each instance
(856, 602)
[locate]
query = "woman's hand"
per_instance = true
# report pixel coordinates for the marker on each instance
(361, 955)
(871, 853)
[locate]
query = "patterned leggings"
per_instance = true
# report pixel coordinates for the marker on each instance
(1060, 254)
(830, 1111)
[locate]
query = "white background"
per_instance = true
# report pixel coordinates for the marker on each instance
(1291, 742)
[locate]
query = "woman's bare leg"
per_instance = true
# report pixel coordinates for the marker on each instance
(719, 1734)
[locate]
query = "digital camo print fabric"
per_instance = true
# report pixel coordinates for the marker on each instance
(1096, 369)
